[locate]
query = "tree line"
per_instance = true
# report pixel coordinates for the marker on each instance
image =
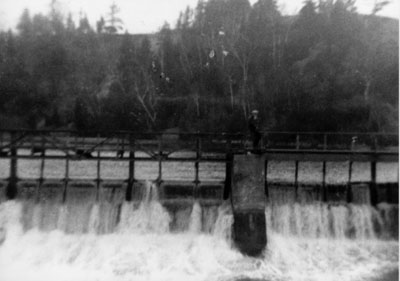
(327, 68)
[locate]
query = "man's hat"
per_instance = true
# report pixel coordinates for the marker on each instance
(255, 111)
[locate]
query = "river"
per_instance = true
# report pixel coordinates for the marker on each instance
(90, 241)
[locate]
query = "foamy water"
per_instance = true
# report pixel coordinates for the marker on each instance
(145, 241)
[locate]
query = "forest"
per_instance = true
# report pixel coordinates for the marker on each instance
(327, 69)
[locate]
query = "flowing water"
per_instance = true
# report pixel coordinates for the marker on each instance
(144, 241)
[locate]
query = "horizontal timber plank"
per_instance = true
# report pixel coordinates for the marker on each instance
(331, 156)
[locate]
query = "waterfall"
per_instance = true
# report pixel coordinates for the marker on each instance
(195, 218)
(146, 240)
(319, 220)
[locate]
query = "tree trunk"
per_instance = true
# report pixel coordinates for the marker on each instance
(231, 92)
(367, 89)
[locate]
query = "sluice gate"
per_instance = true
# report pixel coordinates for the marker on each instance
(212, 168)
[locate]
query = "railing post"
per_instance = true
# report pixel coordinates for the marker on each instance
(324, 191)
(160, 158)
(297, 141)
(372, 187)
(228, 174)
(12, 190)
(66, 179)
(325, 141)
(42, 163)
(349, 189)
(98, 179)
(196, 166)
(296, 178)
(266, 179)
(131, 179)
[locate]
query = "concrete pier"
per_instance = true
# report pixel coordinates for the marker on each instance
(248, 204)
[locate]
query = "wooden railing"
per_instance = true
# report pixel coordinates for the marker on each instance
(121, 141)
(197, 148)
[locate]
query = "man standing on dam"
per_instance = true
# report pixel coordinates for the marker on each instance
(254, 128)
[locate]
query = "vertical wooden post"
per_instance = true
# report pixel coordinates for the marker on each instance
(266, 178)
(324, 191)
(98, 179)
(12, 191)
(228, 174)
(131, 179)
(297, 141)
(372, 187)
(349, 189)
(42, 163)
(296, 178)
(196, 166)
(325, 141)
(160, 156)
(66, 179)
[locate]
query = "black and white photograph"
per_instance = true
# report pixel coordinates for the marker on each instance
(199, 140)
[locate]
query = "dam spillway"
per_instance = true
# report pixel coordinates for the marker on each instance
(174, 229)
(146, 241)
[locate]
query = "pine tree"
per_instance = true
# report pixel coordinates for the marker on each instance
(25, 24)
(114, 23)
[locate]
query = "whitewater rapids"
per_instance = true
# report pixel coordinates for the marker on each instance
(145, 241)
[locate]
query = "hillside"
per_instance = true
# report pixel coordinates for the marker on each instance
(321, 70)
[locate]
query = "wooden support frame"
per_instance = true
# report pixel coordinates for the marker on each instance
(196, 167)
(324, 191)
(373, 191)
(131, 179)
(296, 178)
(66, 179)
(12, 190)
(266, 179)
(207, 148)
(349, 179)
